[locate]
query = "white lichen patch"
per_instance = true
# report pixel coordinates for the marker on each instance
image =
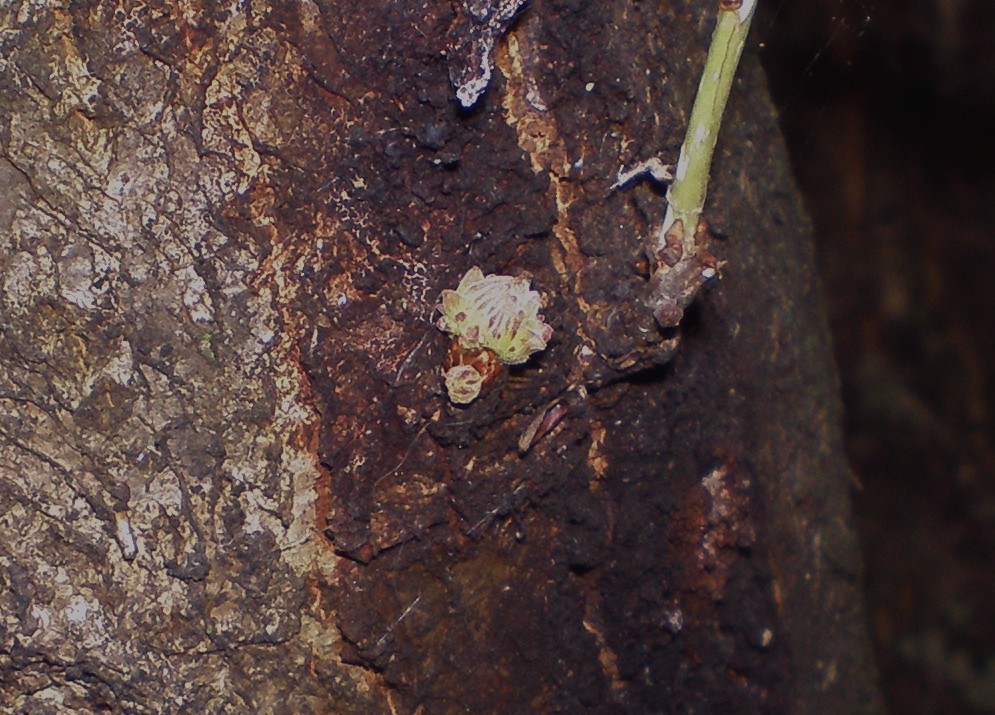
(125, 536)
(78, 610)
(26, 278)
(83, 273)
(80, 89)
(42, 616)
(119, 366)
(496, 313)
(195, 296)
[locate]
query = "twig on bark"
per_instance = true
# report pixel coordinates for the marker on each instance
(680, 263)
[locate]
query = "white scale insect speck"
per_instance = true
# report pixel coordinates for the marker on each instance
(77, 610)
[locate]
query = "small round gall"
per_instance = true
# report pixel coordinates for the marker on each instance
(463, 384)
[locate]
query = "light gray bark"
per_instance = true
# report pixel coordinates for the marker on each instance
(157, 488)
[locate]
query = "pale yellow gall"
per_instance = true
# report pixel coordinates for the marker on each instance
(499, 314)
(463, 384)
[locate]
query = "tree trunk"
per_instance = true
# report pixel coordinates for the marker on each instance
(231, 479)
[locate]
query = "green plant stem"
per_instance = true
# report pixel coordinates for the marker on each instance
(686, 196)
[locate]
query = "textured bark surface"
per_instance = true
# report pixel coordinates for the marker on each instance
(230, 478)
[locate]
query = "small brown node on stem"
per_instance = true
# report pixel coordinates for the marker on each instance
(668, 315)
(675, 283)
(701, 232)
(673, 249)
(730, 5)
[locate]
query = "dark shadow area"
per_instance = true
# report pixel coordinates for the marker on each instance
(889, 109)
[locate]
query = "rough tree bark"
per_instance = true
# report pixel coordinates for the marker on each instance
(230, 480)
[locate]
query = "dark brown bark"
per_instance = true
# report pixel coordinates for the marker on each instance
(231, 479)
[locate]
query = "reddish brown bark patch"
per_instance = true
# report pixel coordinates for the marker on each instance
(602, 571)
